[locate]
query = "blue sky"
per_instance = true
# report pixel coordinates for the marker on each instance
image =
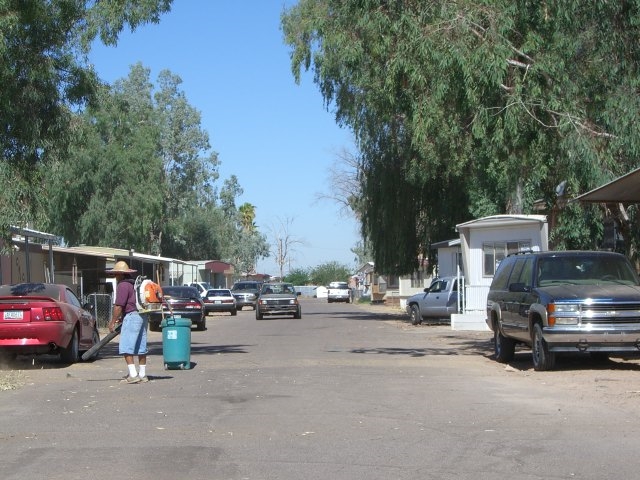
(275, 136)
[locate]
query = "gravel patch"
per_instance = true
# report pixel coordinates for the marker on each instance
(11, 380)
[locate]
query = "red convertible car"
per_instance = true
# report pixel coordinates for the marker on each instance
(37, 318)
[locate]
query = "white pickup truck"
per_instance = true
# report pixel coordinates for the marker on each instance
(338, 292)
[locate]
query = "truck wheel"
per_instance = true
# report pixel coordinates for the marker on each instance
(258, 315)
(504, 348)
(416, 318)
(543, 359)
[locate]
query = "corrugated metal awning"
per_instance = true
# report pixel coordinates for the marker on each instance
(624, 189)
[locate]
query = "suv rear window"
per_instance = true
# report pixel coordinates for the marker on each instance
(245, 286)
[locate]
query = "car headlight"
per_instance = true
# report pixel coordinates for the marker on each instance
(563, 314)
(564, 307)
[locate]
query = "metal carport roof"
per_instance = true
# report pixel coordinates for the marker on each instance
(624, 189)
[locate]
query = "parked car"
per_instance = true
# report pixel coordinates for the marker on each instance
(246, 293)
(183, 302)
(278, 299)
(569, 301)
(439, 300)
(220, 300)
(40, 318)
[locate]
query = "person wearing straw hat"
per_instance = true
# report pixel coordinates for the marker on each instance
(133, 334)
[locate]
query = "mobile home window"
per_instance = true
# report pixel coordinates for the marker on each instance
(495, 252)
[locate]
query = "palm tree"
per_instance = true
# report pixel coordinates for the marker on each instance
(247, 216)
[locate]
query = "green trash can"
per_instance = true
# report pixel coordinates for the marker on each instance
(176, 343)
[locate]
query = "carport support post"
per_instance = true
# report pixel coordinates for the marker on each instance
(51, 266)
(26, 258)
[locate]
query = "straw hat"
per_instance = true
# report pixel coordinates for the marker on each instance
(120, 267)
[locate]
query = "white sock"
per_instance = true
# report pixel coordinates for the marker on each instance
(143, 370)
(132, 370)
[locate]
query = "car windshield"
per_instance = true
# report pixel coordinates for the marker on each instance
(277, 288)
(585, 270)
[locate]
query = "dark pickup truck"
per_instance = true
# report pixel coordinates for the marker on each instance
(564, 301)
(278, 299)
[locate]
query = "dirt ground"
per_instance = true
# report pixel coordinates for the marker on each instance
(614, 382)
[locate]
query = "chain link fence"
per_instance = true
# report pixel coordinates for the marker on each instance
(102, 308)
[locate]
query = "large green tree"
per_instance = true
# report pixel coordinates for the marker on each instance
(107, 191)
(298, 276)
(462, 109)
(45, 75)
(140, 174)
(329, 272)
(190, 167)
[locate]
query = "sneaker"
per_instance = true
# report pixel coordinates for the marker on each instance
(144, 379)
(129, 379)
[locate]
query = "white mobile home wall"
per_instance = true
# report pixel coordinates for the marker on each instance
(473, 235)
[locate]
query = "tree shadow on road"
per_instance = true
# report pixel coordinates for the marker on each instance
(357, 314)
(453, 346)
(212, 349)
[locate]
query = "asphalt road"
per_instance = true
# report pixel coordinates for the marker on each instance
(346, 393)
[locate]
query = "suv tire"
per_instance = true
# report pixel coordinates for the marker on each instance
(543, 359)
(504, 348)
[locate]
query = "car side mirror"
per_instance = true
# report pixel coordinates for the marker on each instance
(518, 287)
(89, 307)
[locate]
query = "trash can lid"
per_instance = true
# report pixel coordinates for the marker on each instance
(175, 322)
